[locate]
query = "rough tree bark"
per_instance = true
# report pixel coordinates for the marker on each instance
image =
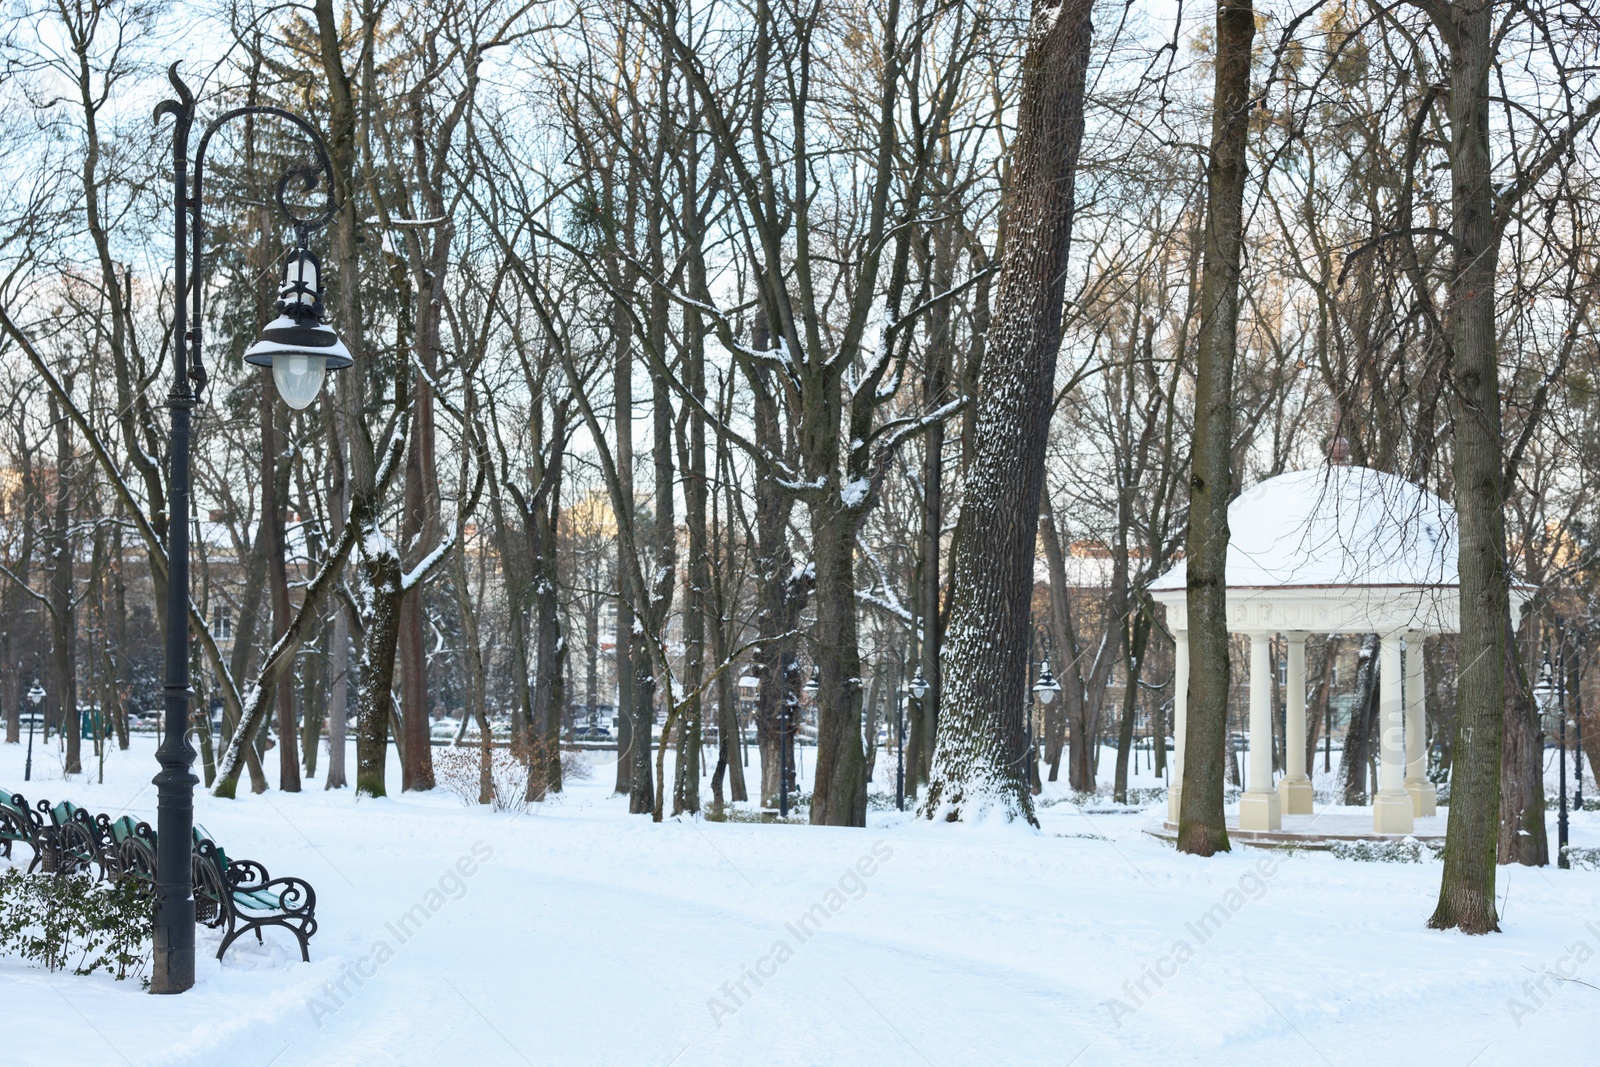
(274, 482)
(339, 638)
(980, 754)
(935, 391)
(1356, 752)
(60, 551)
(542, 518)
(1466, 890)
(1201, 830)
(780, 593)
(351, 445)
(1523, 837)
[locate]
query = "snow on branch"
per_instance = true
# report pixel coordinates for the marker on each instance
(420, 572)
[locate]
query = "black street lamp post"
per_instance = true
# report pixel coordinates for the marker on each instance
(783, 757)
(35, 695)
(299, 349)
(1577, 722)
(1561, 740)
(1046, 689)
(1550, 696)
(918, 688)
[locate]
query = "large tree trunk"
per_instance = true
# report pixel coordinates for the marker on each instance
(692, 462)
(24, 508)
(1068, 710)
(726, 584)
(935, 389)
(780, 593)
(1522, 821)
(375, 706)
(339, 653)
(1466, 890)
(1319, 703)
(1358, 736)
(839, 793)
(632, 728)
(1587, 711)
(1201, 830)
(550, 660)
(274, 482)
(350, 442)
(1138, 641)
(62, 551)
(418, 533)
(980, 762)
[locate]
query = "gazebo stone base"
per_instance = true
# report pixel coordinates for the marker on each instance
(1334, 826)
(1392, 814)
(1260, 811)
(1294, 796)
(1424, 799)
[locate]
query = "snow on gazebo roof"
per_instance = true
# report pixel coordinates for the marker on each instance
(1336, 527)
(1336, 549)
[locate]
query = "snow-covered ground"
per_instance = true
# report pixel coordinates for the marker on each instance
(576, 934)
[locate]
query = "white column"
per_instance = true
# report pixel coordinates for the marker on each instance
(1180, 721)
(1259, 808)
(1294, 791)
(1424, 797)
(1391, 808)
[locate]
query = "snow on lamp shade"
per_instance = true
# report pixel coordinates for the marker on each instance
(298, 346)
(1046, 687)
(1544, 693)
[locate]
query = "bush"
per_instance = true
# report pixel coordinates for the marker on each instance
(62, 919)
(459, 769)
(1585, 859)
(1409, 851)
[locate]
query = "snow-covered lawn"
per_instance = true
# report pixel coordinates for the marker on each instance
(576, 934)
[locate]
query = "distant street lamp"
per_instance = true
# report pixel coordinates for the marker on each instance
(35, 695)
(1561, 710)
(1577, 722)
(1045, 689)
(918, 688)
(300, 350)
(1550, 696)
(748, 687)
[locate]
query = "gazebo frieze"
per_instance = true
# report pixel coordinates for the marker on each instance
(1348, 609)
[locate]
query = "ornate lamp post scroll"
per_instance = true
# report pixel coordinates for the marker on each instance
(298, 348)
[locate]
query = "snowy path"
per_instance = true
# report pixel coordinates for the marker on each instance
(589, 937)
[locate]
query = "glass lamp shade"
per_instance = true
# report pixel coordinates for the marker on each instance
(299, 379)
(1046, 687)
(300, 354)
(918, 686)
(1544, 692)
(36, 694)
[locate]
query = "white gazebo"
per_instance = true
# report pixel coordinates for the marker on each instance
(1338, 549)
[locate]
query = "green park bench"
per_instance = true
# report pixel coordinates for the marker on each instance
(19, 824)
(239, 897)
(235, 896)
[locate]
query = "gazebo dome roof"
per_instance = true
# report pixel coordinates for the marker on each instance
(1336, 527)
